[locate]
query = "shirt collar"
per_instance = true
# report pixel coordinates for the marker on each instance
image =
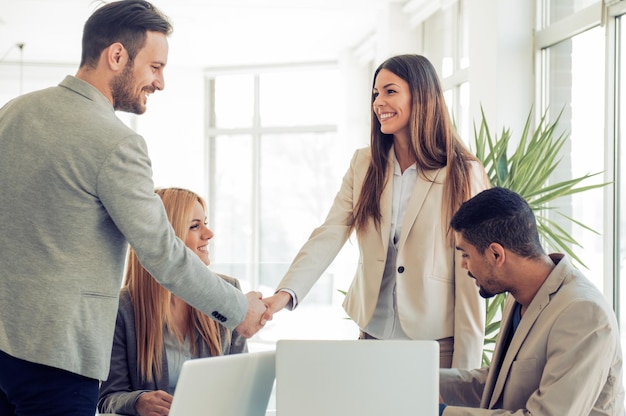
(396, 165)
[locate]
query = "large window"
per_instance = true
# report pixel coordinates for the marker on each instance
(582, 49)
(620, 100)
(574, 63)
(276, 163)
(575, 93)
(556, 10)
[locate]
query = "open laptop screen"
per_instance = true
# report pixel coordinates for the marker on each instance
(233, 385)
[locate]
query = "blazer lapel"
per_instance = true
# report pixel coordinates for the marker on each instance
(536, 307)
(418, 195)
(386, 201)
(500, 350)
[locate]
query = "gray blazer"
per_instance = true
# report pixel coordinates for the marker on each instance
(120, 391)
(76, 186)
(564, 359)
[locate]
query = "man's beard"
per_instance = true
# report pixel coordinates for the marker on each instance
(485, 294)
(123, 94)
(481, 290)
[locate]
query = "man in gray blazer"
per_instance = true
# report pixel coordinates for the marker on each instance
(558, 351)
(76, 186)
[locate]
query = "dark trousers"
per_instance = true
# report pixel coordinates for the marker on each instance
(30, 389)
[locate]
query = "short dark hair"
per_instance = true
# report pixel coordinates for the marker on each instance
(499, 215)
(124, 21)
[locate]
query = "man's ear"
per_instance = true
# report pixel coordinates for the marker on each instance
(496, 252)
(116, 56)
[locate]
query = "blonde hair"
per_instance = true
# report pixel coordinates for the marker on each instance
(151, 301)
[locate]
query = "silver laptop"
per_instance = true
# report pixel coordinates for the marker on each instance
(357, 377)
(233, 385)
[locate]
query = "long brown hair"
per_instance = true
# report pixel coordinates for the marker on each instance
(434, 142)
(151, 301)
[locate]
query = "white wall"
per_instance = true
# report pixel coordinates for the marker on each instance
(501, 64)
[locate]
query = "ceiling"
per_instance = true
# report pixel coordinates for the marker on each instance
(207, 33)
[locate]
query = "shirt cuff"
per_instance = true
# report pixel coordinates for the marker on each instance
(294, 300)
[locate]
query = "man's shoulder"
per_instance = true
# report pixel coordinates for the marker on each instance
(574, 286)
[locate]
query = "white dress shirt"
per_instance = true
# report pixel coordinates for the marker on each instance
(385, 323)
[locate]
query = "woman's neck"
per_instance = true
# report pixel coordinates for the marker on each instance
(179, 315)
(403, 154)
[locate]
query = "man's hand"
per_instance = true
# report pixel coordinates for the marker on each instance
(154, 403)
(256, 316)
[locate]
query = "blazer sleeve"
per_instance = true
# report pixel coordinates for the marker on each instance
(126, 190)
(238, 344)
(325, 241)
(469, 306)
(462, 387)
(578, 362)
(118, 393)
(575, 372)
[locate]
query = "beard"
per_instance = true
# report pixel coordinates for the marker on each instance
(122, 92)
(484, 293)
(481, 290)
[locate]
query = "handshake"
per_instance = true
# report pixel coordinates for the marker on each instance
(260, 311)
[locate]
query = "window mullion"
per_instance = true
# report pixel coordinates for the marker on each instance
(256, 186)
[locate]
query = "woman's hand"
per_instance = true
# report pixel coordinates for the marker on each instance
(277, 301)
(154, 403)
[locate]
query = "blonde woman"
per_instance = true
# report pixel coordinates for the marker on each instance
(157, 331)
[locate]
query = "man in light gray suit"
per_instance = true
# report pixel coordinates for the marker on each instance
(558, 352)
(76, 186)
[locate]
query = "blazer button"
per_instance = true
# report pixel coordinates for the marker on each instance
(401, 269)
(219, 316)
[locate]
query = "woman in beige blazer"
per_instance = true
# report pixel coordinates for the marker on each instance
(398, 196)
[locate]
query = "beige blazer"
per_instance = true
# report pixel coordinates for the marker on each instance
(564, 358)
(435, 297)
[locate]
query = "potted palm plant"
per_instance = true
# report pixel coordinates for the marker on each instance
(526, 169)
